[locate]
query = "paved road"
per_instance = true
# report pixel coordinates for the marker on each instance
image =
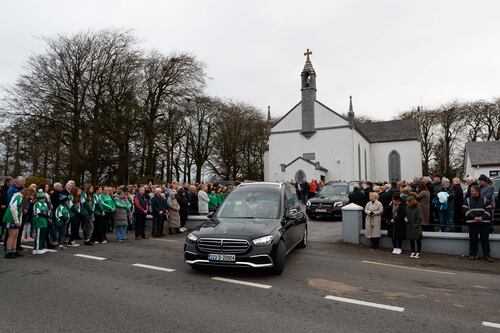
(61, 292)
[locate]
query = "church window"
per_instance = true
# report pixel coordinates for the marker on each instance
(359, 162)
(309, 156)
(300, 175)
(394, 166)
(366, 167)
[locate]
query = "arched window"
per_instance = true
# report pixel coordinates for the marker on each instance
(359, 162)
(366, 168)
(300, 175)
(394, 166)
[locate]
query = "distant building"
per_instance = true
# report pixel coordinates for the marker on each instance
(312, 141)
(482, 158)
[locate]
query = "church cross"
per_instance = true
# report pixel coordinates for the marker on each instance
(308, 53)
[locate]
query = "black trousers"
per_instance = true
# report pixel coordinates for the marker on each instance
(157, 227)
(75, 227)
(375, 241)
(418, 243)
(397, 243)
(140, 224)
(481, 230)
(184, 216)
(100, 229)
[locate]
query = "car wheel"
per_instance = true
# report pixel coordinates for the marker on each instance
(303, 243)
(279, 259)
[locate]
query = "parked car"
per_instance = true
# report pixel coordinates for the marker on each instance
(329, 201)
(257, 226)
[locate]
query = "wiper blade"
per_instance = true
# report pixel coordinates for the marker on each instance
(236, 217)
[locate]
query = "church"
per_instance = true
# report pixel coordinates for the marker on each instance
(312, 141)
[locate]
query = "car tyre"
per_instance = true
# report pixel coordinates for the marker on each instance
(303, 243)
(279, 259)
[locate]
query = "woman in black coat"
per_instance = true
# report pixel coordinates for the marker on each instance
(398, 222)
(458, 201)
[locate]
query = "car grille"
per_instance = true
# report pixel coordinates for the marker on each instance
(223, 245)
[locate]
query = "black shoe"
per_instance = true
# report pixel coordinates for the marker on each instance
(472, 257)
(18, 254)
(9, 255)
(89, 243)
(488, 259)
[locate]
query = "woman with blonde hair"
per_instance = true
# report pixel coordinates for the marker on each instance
(373, 211)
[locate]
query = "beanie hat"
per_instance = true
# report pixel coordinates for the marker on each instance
(40, 195)
(483, 178)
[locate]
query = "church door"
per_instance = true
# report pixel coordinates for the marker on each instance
(394, 166)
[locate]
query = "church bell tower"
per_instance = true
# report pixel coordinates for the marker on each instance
(308, 88)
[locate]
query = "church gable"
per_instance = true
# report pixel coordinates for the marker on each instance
(326, 117)
(292, 121)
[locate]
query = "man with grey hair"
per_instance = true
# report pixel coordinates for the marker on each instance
(69, 186)
(55, 202)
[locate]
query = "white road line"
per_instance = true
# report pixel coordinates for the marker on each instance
(31, 247)
(156, 268)
(409, 268)
(245, 283)
(89, 257)
(373, 305)
(488, 324)
(165, 240)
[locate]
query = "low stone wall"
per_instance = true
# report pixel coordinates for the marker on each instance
(193, 222)
(440, 242)
(454, 243)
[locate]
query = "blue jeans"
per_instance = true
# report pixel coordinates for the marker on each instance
(446, 219)
(121, 232)
(305, 198)
(60, 232)
(479, 230)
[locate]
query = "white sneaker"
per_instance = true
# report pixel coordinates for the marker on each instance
(104, 242)
(73, 244)
(38, 252)
(418, 255)
(394, 251)
(42, 251)
(412, 255)
(182, 229)
(399, 251)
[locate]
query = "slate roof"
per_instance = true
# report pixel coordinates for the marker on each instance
(483, 152)
(392, 130)
(303, 159)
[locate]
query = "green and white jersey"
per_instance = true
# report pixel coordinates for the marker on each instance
(62, 214)
(38, 209)
(14, 213)
(71, 204)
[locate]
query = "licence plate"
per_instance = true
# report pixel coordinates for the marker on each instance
(321, 210)
(221, 257)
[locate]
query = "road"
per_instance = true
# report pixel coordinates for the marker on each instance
(66, 292)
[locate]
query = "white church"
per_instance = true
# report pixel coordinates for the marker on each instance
(312, 141)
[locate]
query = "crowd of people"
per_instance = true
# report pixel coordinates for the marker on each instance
(406, 209)
(57, 216)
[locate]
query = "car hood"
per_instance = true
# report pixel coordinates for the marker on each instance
(237, 228)
(328, 199)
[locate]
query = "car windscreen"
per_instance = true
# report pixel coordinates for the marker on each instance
(251, 204)
(334, 190)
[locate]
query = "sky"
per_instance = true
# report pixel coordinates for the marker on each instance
(390, 55)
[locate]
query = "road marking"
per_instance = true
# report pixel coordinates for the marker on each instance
(409, 268)
(31, 247)
(170, 270)
(488, 324)
(89, 257)
(373, 305)
(164, 240)
(245, 283)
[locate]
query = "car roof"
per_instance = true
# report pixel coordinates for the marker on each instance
(277, 186)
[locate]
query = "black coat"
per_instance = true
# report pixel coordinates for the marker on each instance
(357, 197)
(398, 230)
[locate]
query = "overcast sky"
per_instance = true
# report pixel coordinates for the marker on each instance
(390, 55)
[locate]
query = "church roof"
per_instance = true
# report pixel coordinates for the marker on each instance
(393, 130)
(308, 161)
(483, 152)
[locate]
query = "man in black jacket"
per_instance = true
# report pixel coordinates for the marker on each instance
(478, 216)
(184, 199)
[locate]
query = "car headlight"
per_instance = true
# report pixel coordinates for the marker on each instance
(338, 204)
(308, 203)
(266, 240)
(192, 238)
